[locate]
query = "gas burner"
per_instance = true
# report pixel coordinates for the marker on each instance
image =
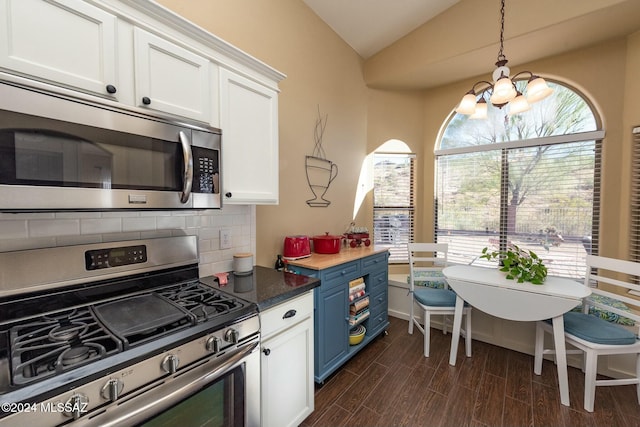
(68, 331)
(202, 301)
(49, 345)
(75, 355)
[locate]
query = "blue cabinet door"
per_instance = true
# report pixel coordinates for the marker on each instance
(332, 330)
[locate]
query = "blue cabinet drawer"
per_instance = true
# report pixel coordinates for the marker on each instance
(340, 275)
(377, 322)
(374, 262)
(378, 281)
(378, 302)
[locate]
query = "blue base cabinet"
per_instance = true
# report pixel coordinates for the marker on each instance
(331, 309)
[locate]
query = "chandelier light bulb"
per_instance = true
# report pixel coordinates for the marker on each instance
(481, 110)
(503, 91)
(468, 104)
(518, 105)
(537, 89)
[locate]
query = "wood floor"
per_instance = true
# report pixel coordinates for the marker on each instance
(391, 383)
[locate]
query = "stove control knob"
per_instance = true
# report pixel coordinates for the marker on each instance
(76, 406)
(213, 344)
(170, 364)
(231, 336)
(112, 389)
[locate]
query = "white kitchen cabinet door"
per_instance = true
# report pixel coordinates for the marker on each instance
(64, 42)
(171, 79)
(249, 123)
(287, 376)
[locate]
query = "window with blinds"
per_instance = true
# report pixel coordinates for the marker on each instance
(393, 203)
(531, 181)
(635, 198)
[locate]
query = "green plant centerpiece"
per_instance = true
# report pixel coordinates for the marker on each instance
(519, 264)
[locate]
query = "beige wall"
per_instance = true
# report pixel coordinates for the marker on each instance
(323, 71)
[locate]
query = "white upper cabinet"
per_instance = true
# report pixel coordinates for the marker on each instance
(171, 79)
(249, 122)
(140, 56)
(66, 42)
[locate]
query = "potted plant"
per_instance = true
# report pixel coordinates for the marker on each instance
(519, 264)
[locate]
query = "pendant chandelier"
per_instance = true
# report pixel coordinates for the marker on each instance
(503, 90)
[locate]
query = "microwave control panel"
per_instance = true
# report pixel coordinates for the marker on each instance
(115, 257)
(205, 171)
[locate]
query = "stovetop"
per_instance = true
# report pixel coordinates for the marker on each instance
(50, 344)
(53, 337)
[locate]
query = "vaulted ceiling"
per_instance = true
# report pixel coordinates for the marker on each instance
(418, 44)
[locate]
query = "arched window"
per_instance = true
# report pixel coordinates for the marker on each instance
(531, 179)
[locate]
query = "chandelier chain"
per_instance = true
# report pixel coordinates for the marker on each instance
(501, 56)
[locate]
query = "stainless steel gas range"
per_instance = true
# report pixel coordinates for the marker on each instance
(123, 333)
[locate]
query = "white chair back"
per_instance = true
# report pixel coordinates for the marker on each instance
(426, 257)
(612, 278)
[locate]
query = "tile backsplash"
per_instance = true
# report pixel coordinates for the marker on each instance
(39, 230)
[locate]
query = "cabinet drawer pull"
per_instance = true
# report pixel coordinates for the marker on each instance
(289, 314)
(146, 100)
(266, 351)
(111, 89)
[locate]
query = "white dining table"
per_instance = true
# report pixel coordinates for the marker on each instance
(488, 290)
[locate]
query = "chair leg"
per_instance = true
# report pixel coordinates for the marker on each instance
(427, 332)
(638, 376)
(411, 303)
(539, 349)
(444, 324)
(591, 367)
(468, 334)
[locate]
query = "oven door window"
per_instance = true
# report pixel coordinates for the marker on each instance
(46, 153)
(221, 403)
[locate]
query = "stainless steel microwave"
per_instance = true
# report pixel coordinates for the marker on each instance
(60, 153)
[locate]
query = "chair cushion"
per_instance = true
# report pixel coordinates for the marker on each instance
(428, 278)
(596, 330)
(608, 315)
(435, 297)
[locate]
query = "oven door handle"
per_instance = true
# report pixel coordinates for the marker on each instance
(187, 155)
(169, 392)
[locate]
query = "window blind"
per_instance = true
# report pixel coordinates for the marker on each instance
(634, 247)
(543, 198)
(393, 203)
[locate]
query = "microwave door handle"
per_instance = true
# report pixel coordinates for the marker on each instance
(188, 167)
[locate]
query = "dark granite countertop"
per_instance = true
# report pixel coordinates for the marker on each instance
(266, 287)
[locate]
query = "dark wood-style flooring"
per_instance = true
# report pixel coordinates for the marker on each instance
(391, 383)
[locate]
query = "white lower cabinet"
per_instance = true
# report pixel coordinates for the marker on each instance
(287, 387)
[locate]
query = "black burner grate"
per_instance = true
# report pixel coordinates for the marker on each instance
(53, 344)
(202, 301)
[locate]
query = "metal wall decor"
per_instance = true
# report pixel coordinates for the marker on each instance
(320, 171)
